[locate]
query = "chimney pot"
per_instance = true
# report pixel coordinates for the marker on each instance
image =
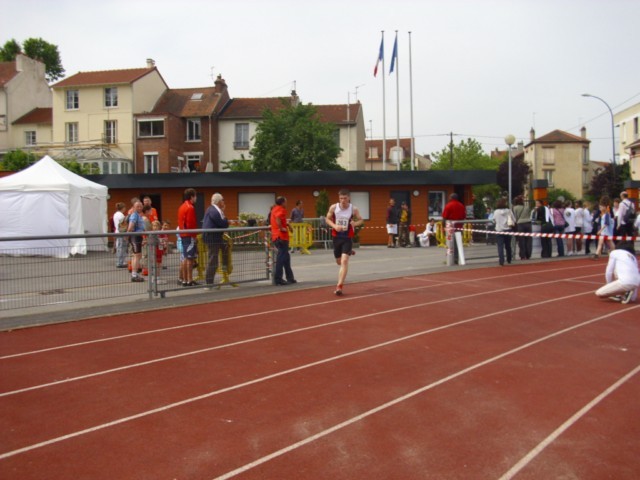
(151, 63)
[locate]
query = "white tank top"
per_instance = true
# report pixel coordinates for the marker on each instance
(343, 217)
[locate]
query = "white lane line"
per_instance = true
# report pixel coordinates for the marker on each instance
(279, 334)
(524, 461)
(314, 364)
(269, 312)
(409, 395)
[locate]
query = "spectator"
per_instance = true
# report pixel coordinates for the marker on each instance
(542, 217)
(280, 238)
(120, 225)
(454, 212)
(215, 218)
(522, 215)
(501, 217)
(392, 223)
(557, 217)
(404, 222)
(569, 225)
(152, 214)
(136, 225)
(187, 221)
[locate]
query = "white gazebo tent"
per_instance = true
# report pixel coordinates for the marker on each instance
(48, 200)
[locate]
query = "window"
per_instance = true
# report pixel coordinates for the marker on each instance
(71, 131)
(105, 167)
(373, 152)
(336, 136)
(194, 161)
(110, 131)
(548, 155)
(193, 129)
(436, 204)
(548, 176)
(635, 129)
(30, 138)
(151, 162)
(361, 200)
(111, 97)
(73, 100)
(3, 123)
(151, 128)
(585, 155)
(124, 167)
(242, 136)
(585, 178)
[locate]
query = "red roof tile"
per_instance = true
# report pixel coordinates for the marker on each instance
(7, 72)
(558, 136)
(252, 108)
(180, 102)
(104, 77)
(337, 114)
(246, 108)
(37, 115)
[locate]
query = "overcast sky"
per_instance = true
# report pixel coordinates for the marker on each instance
(481, 68)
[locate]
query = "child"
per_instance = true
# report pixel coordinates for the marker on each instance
(164, 240)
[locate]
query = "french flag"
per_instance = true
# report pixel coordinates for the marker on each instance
(380, 57)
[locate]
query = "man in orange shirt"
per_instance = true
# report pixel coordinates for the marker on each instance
(152, 215)
(280, 238)
(187, 221)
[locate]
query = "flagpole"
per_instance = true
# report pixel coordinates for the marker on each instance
(395, 49)
(384, 115)
(411, 105)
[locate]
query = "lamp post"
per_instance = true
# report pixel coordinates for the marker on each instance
(509, 140)
(613, 140)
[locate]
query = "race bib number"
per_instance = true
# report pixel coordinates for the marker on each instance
(343, 222)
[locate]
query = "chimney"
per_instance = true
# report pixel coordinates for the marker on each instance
(532, 134)
(295, 100)
(220, 84)
(583, 132)
(151, 63)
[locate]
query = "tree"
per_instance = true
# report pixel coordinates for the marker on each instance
(519, 174)
(294, 139)
(238, 165)
(76, 167)
(467, 155)
(602, 183)
(17, 160)
(38, 49)
(9, 51)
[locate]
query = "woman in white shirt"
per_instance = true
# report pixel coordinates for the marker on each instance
(570, 225)
(587, 226)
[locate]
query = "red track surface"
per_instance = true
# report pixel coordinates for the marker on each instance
(490, 373)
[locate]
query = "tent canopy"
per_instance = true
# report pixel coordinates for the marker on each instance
(46, 199)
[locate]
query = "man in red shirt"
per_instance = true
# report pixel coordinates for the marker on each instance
(280, 238)
(187, 221)
(454, 211)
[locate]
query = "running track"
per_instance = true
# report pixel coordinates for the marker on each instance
(494, 373)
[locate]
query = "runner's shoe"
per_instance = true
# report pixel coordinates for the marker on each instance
(338, 291)
(626, 297)
(616, 298)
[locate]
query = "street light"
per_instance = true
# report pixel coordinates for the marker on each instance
(509, 140)
(613, 140)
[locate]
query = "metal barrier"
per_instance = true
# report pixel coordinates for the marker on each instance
(41, 276)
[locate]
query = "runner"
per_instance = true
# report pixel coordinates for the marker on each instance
(343, 218)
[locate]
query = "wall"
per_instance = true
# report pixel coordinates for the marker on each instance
(374, 232)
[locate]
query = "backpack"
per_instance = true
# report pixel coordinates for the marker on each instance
(630, 214)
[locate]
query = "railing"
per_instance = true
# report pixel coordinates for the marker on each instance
(35, 276)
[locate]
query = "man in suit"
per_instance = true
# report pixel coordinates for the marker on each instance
(214, 218)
